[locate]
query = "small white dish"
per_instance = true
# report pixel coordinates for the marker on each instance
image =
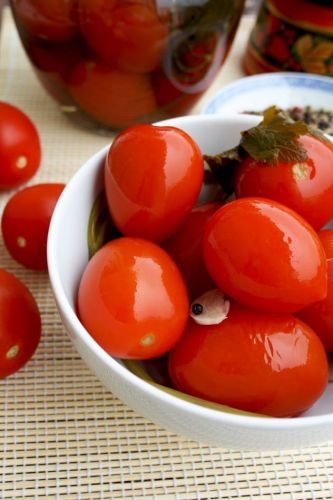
(284, 90)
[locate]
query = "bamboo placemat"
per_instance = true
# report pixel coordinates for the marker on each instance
(62, 435)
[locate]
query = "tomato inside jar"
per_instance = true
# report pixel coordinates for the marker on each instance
(141, 61)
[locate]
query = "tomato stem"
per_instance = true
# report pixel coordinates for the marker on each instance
(101, 228)
(12, 352)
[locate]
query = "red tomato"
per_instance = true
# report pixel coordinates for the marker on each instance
(25, 223)
(51, 20)
(53, 65)
(175, 101)
(306, 187)
(186, 248)
(320, 315)
(132, 299)
(165, 92)
(20, 324)
(113, 98)
(153, 176)
(20, 149)
(57, 60)
(130, 36)
(263, 363)
(265, 256)
(326, 238)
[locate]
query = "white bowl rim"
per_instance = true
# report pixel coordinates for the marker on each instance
(246, 421)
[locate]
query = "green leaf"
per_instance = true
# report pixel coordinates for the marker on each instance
(275, 139)
(101, 228)
(223, 167)
(211, 14)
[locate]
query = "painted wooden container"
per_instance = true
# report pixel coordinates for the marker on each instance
(292, 35)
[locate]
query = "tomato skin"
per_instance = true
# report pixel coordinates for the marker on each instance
(128, 36)
(132, 299)
(263, 363)
(326, 238)
(186, 248)
(57, 61)
(306, 187)
(51, 20)
(319, 316)
(25, 223)
(153, 175)
(20, 148)
(53, 64)
(20, 324)
(111, 97)
(265, 256)
(165, 92)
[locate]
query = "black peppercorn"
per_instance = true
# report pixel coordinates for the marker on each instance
(197, 309)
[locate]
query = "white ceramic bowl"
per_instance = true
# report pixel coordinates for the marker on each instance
(285, 90)
(67, 257)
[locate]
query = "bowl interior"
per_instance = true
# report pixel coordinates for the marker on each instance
(67, 243)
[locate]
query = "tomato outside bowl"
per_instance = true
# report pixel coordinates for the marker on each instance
(67, 257)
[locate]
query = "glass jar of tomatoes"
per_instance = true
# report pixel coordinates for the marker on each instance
(292, 36)
(113, 63)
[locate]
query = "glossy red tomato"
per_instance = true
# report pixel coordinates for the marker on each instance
(57, 60)
(263, 363)
(153, 175)
(25, 223)
(306, 187)
(326, 238)
(265, 256)
(20, 324)
(176, 101)
(113, 98)
(128, 35)
(50, 20)
(53, 64)
(132, 299)
(165, 92)
(186, 248)
(20, 148)
(320, 315)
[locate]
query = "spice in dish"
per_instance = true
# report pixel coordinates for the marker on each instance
(320, 119)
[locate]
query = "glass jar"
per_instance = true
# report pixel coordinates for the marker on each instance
(292, 36)
(112, 63)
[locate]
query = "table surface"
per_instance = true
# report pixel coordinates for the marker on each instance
(62, 435)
